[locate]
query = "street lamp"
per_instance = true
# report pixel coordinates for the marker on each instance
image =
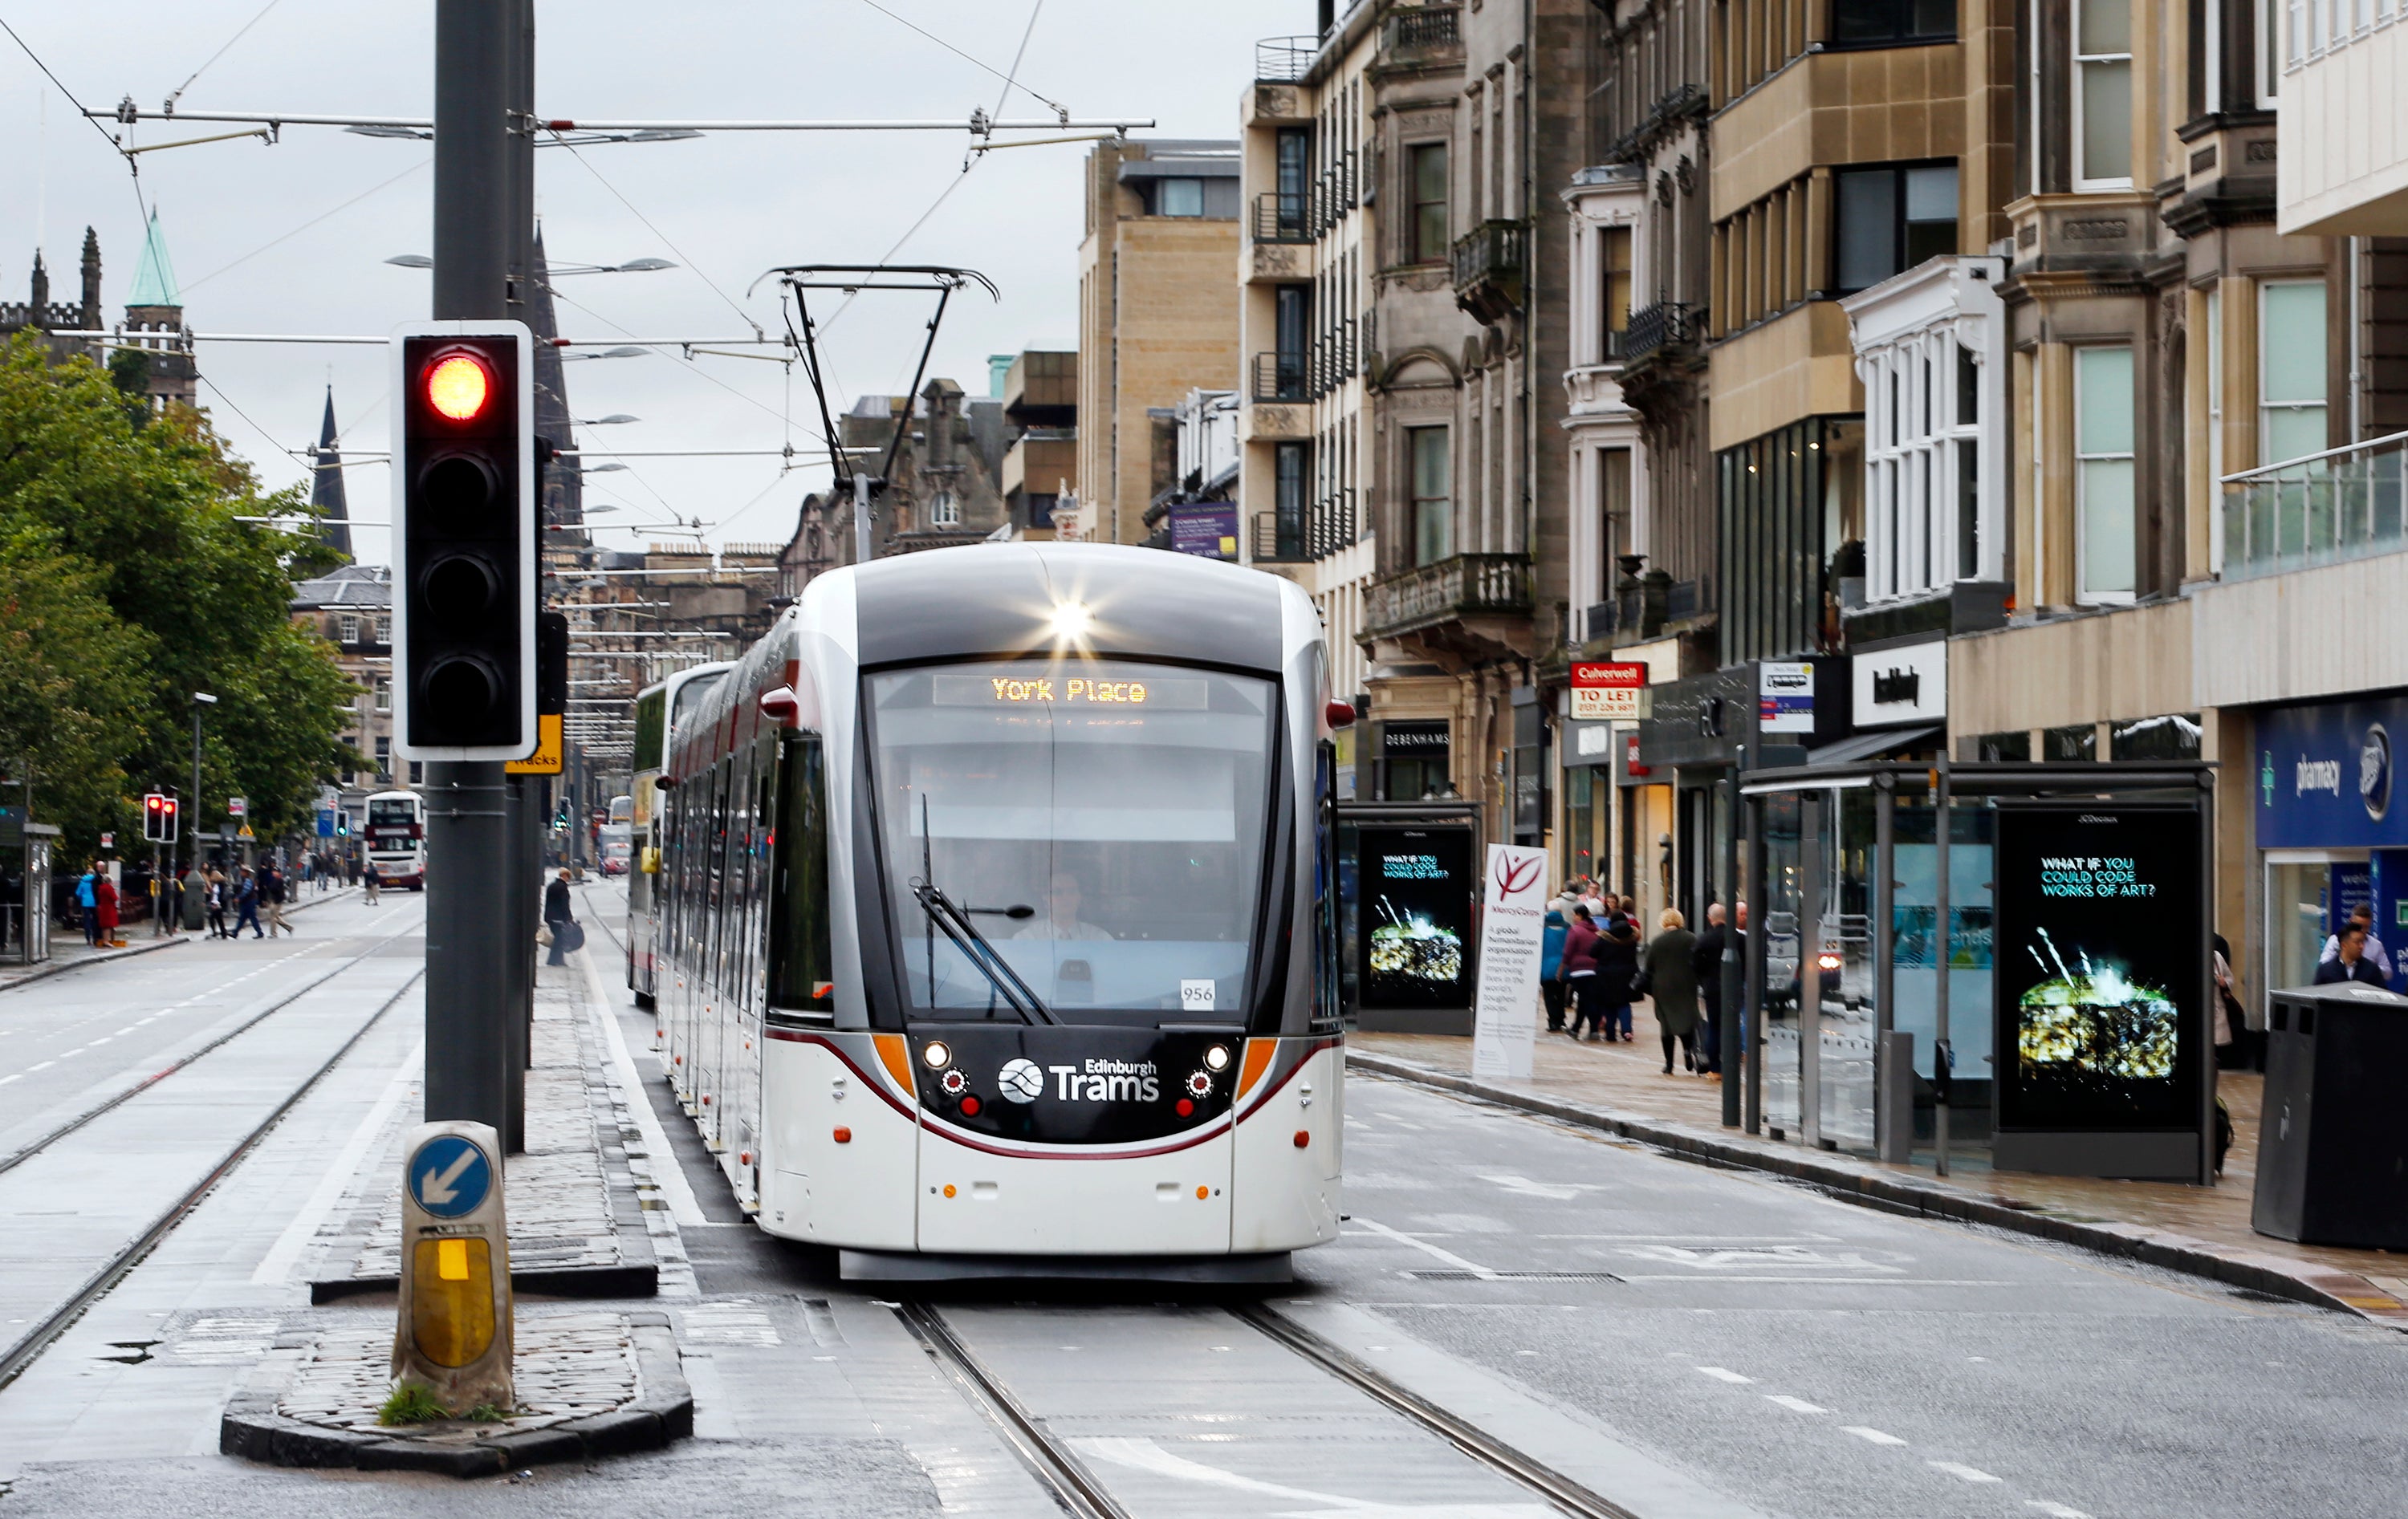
(200, 699)
(613, 420)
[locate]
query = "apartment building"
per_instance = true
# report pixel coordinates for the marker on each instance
(1158, 310)
(1039, 393)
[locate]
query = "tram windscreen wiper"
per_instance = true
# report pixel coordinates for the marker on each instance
(955, 920)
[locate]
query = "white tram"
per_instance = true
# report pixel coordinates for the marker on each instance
(660, 707)
(998, 931)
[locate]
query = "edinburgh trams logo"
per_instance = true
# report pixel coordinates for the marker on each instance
(1093, 1081)
(1020, 1080)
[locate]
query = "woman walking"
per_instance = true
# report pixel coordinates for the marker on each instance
(1672, 981)
(104, 899)
(1617, 973)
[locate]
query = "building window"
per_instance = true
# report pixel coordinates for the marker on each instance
(2173, 736)
(351, 629)
(383, 757)
(2104, 495)
(417, 773)
(1613, 511)
(1923, 448)
(1292, 486)
(944, 510)
(384, 630)
(1430, 217)
(1994, 747)
(1294, 176)
(1432, 512)
(1892, 219)
(384, 694)
(1613, 261)
(2077, 743)
(1872, 24)
(1179, 197)
(2102, 94)
(2290, 370)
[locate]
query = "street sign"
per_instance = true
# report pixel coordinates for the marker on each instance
(108, 840)
(546, 760)
(449, 1176)
(237, 806)
(1607, 692)
(325, 823)
(244, 832)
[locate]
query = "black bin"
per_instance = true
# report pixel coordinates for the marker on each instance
(2333, 1153)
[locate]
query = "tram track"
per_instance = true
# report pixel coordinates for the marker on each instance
(20, 1156)
(30, 1346)
(1076, 1488)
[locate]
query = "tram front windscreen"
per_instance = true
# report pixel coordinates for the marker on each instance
(1096, 826)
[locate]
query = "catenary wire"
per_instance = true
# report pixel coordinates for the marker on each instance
(683, 256)
(195, 284)
(1057, 107)
(178, 93)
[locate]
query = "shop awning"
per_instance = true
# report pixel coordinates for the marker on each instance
(1871, 744)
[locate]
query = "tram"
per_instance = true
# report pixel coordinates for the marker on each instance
(660, 708)
(998, 932)
(396, 838)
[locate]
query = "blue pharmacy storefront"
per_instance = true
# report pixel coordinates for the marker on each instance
(2331, 831)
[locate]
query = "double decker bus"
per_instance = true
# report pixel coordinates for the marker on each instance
(396, 838)
(661, 710)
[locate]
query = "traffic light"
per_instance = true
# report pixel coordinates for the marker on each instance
(158, 817)
(464, 524)
(343, 822)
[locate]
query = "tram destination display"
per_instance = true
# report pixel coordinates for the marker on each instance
(2100, 954)
(1417, 938)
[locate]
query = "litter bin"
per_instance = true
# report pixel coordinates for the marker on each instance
(2332, 1155)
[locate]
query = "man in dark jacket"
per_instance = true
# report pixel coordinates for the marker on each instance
(1710, 987)
(2353, 964)
(556, 917)
(1617, 970)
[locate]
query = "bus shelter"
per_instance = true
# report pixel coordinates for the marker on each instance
(25, 850)
(2060, 1021)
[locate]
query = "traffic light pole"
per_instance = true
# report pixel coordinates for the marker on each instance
(470, 969)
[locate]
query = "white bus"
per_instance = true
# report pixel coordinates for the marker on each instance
(396, 838)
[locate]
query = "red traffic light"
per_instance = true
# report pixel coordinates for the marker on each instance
(459, 386)
(155, 803)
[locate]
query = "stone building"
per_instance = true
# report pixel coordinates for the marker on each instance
(350, 606)
(943, 488)
(39, 313)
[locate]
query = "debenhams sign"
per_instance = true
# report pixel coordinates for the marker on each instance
(1904, 684)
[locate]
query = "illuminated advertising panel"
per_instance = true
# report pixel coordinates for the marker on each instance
(1417, 936)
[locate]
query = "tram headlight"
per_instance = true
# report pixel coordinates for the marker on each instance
(1071, 621)
(936, 1055)
(1217, 1057)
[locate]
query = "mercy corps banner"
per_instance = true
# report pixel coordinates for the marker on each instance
(1512, 924)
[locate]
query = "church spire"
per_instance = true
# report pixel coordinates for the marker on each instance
(154, 278)
(326, 501)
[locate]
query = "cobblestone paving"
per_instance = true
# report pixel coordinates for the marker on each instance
(567, 1366)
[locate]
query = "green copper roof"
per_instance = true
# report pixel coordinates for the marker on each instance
(154, 282)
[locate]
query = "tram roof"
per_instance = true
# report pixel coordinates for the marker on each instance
(1000, 598)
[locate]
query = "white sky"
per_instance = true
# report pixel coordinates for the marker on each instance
(731, 206)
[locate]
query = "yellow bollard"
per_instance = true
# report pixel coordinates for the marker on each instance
(455, 1332)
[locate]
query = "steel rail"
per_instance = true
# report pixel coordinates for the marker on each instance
(1558, 1489)
(147, 1082)
(1052, 1462)
(30, 1346)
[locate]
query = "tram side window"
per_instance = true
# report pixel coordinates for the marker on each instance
(764, 832)
(720, 885)
(801, 954)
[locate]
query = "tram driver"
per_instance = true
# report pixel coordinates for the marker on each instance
(1060, 920)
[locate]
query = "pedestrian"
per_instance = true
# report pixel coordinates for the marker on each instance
(1556, 925)
(246, 905)
(2351, 963)
(196, 899)
(2363, 915)
(104, 901)
(272, 888)
(1577, 967)
(1670, 967)
(215, 901)
(369, 881)
(1709, 966)
(89, 904)
(557, 917)
(1617, 970)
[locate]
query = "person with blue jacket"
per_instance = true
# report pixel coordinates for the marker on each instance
(87, 898)
(1551, 959)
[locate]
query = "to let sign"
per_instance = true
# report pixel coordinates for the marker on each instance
(1607, 693)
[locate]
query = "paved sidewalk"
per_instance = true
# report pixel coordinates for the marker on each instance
(68, 952)
(575, 1226)
(2203, 1231)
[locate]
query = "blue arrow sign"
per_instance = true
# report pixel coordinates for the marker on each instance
(449, 1176)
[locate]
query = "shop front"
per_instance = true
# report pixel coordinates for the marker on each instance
(2330, 834)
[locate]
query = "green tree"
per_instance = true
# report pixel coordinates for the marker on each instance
(72, 687)
(152, 514)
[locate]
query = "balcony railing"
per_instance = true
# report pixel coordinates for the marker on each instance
(1488, 262)
(1292, 536)
(1466, 585)
(1282, 215)
(1429, 26)
(1280, 536)
(2346, 503)
(1663, 324)
(1284, 59)
(1280, 377)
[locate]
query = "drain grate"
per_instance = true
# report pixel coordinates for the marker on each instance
(1513, 1276)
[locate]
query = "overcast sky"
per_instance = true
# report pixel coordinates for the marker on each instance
(725, 206)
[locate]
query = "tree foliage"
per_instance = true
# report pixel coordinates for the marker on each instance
(141, 523)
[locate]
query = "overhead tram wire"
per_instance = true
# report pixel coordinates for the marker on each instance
(178, 93)
(196, 285)
(1059, 109)
(134, 169)
(686, 259)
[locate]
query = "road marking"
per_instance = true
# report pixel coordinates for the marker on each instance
(1866, 1432)
(1720, 1374)
(1481, 1273)
(65, 1055)
(129, 1028)
(668, 1176)
(1552, 1191)
(44, 1066)
(1795, 1405)
(2054, 1511)
(277, 1265)
(1142, 1454)
(1704, 1279)
(6, 1080)
(1971, 1474)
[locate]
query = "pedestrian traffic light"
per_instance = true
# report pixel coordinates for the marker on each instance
(343, 822)
(159, 818)
(464, 516)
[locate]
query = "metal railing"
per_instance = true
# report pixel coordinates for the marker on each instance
(2320, 509)
(1488, 262)
(1282, 215)
(1280, 377)
(1659, 326)
(1429, 26)
(1332, 524)
(1466, 585)
(1280, 536)
(1284, 59)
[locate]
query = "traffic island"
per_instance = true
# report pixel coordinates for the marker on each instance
(590, 1384)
